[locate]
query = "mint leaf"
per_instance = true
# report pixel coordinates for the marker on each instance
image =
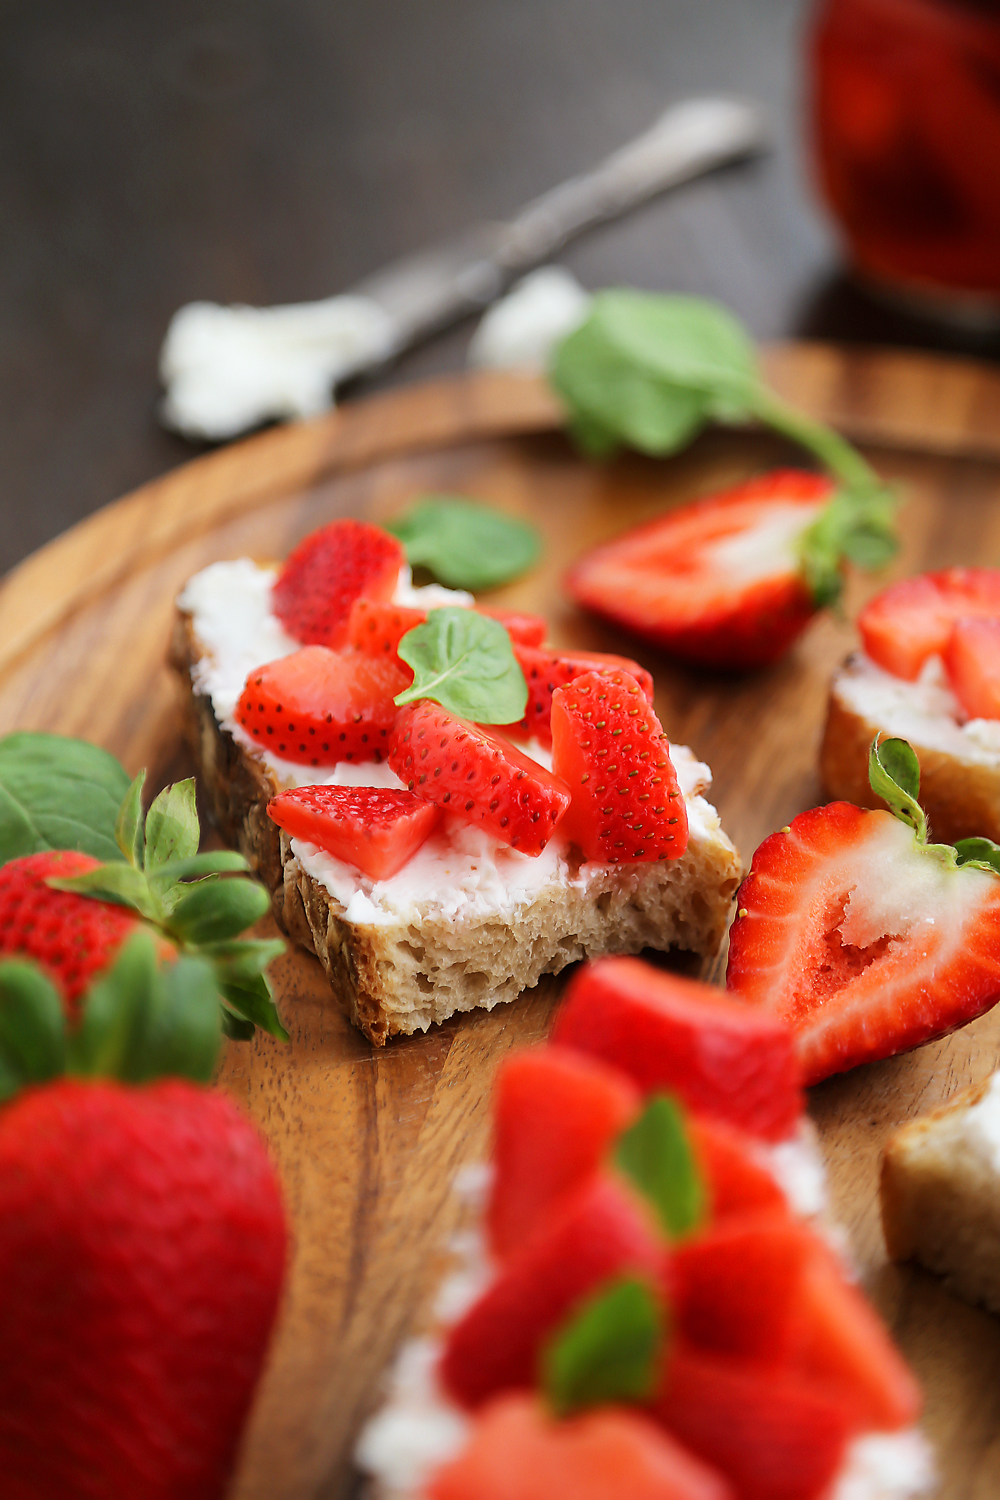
(32, 1027)
(130, 833)
(465, 545)
(172, 829)
(655, 1154)
(213, 910)
(58, 793)
(609, 1351)
(464, 661)
(894, 775)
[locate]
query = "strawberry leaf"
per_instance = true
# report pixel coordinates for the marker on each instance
(655, 1154)
(32, 1028)
(250, 998)
(212, 910)
(609, 1351)
(894, 775)
(184, 1026)
(858, 525)
(465, 545)
(195, 866)
(464, 661)
(58, 793)
(118, 882)
(130, 829)
(982, 853)
(172, 828)
(115, 1014)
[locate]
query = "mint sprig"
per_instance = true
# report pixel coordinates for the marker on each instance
(57, 793)
(464, 544)
(464, 661)
(610, 1350)
(651, 371)
(655, 1154)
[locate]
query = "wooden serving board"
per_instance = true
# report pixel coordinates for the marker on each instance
(368, 1142)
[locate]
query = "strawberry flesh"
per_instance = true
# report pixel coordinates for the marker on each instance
(544, 671)
(332, 567)
(671, 1034)
(609, 749)
(317, 707)
(861, 941)
(375, 828)
(716, 582)
(376, 628)
(972, 658)
(914, 619)
(556, 1114)
(736, 1181)
(480, 777)
(523, 629)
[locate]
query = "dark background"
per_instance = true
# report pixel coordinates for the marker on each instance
(278, 150)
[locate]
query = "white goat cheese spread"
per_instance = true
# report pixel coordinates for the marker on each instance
(925, 712)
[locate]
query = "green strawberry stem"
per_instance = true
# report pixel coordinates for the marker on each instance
(836, 454)
(894, 775)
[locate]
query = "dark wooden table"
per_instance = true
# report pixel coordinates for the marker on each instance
(277, 150)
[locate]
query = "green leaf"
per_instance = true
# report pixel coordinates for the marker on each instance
(236, 1029)
(894, 775)
(32, 1027)
(130, 825)
(858, 525)
(212, 862)
(184, 1026)
(110, 1040)
(465, 545)
(58, 793)
(982, 853)
(656, 1155)
(172, 829)
(464, 661)
(244, 958)
(213, 910)
(118, 882)
(251, 999)
(609, 1351)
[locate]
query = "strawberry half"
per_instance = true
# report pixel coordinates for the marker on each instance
(609, 749)
(914, 619)
(972, 658)
(478, 776)
(375, 828)
(317, 707)
(544, 671)
(376, 628)
(717, 582)
(332, 567)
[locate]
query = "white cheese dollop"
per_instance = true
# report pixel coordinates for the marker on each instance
(521, 330)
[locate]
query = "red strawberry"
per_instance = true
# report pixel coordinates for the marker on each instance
(769, 1430)
(317, 707)
(375, 828)
(914, 619)
(142, 1247)
(546, 670)
(555, 1116)
(524, 630)
(609, 749)
(737, 1182)
(517, 1452)
(600, 1232)
(376, 629)
(331, 568)
(972, 657)
(676, 1035)
(73, 937)
(862, 940)
(716, 582)
(479, 776)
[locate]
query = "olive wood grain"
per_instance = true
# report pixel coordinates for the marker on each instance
(368, 1142)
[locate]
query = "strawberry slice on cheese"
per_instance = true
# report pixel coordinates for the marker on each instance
(914, 619)
(327, 571)
(972, 660)
(375, 828)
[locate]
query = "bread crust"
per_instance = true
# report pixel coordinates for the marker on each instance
(396, 978)
(960, 797)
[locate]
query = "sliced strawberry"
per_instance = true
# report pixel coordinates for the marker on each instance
(668, 1033)
(546, 670)
(772, 1433)
(913, 620)
(317, 707)
(716, 582)
(555, 1115)
(862, 940)
(478, 776)
(376, 628)
(737, 1285)
(972, 657)
(327, 571)
(843, 1345)
(737, 1182)
(524, 630)
(375, 828)
(609, 749)
(600, 1232)
(515, 1451)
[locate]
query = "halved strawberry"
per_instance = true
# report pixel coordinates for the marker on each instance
(375, 828)
(601, 1231)
(555, 1115)
(516, 1451)
(317, 707)
(314, 591)
(972, 657)
(679, 1036)
(376, 628)
(609, 749)
(545, 670)
(769, 1430)
(478, 776)
(523, 629)
(914, 619)
(717, 582)
(736, 1181)
(861, 939)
